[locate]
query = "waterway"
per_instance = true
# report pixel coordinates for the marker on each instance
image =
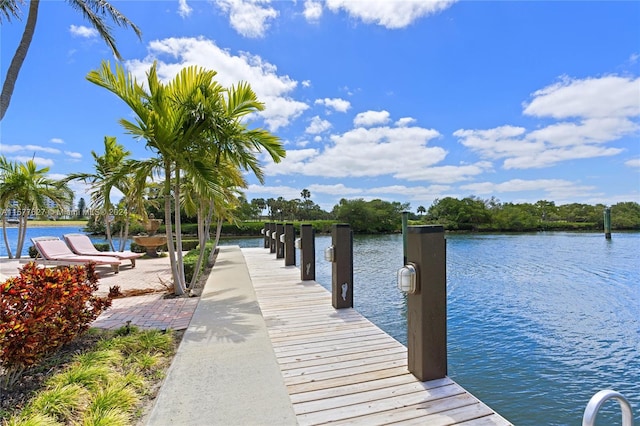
(537, 323)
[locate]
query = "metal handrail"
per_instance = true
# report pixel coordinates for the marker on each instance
(596, 401)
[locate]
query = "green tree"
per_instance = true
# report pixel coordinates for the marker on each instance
(625, 215)
(82, 205)
(192, 124)
(27, 188)
(421, 210)
(97, 12)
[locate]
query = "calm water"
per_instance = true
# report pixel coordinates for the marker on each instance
(537, 323)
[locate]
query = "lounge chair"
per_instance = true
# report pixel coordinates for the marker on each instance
(54, 251)
(81, 244)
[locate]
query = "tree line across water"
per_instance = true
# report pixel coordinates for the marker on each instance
(467, 214)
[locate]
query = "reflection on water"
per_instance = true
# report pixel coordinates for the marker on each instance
(537, 323)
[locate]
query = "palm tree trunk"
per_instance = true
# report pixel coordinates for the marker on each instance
(178, 222)
(6, 238)
(22, 232)
(18, 58)
(178, 289)
(202, 241)
(210, 213)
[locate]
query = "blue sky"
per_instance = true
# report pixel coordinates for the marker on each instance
(405, 101)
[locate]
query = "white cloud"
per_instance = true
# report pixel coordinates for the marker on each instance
(594, 111)
(365, 152)
(317, 125)
(405, 121)
(371, 118)
(56, 140)
(184, 10)
(248, 17)
(337, 104)
(555, 189)
(390, 14)
(312, 10)
(634, 162)
(337, 189)
(41, 162)
(272, 89)
(445, 174)
(74, 155)
(610, 96)
(306, 83)
(31, 148)
(82, 31)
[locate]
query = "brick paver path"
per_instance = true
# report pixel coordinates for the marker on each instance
(150, 311)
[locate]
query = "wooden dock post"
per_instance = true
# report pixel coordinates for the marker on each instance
(607, 223)
(272, 241)
(342, 266)
(289, 245)
(308, 253)
(427, 307)
(279, 243)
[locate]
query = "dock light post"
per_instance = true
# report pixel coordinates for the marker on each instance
(289, 245)
(265, 232)
(307, 253)
(340, 254)
(279, 241)
(272, 236)
(424, 280)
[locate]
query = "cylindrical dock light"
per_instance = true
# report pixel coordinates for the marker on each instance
(307, 253)
(289, 245)
(607, 223)
(424, 279)
(342, 266)
(272, 236)
(279, 242)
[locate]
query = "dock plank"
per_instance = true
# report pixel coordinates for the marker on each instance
(340, 368)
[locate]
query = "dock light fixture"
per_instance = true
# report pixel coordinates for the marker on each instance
(282, 238)
(268, 232)
(408, 278)
(262, 231)
(298, 243)
(273, 235)
(330, 254)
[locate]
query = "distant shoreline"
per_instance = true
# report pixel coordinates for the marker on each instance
(50, 223)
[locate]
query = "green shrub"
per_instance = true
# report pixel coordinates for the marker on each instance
(33, 252)
(102, 246)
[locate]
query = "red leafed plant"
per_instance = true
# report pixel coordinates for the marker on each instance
(42, 309)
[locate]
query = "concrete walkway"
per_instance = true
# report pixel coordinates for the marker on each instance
(225, 371)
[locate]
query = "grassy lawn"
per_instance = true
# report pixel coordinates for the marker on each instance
(101, 378)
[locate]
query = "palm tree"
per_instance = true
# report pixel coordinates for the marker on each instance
(95, 11)
(109, 174)
(192, 124)
(305, 194)
(27, 188)
(421, 210)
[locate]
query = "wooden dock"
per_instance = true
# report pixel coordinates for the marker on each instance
(340, 368)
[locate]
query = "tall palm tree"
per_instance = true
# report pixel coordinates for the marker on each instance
(95, 11)
(188, 122)
(27, 187)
